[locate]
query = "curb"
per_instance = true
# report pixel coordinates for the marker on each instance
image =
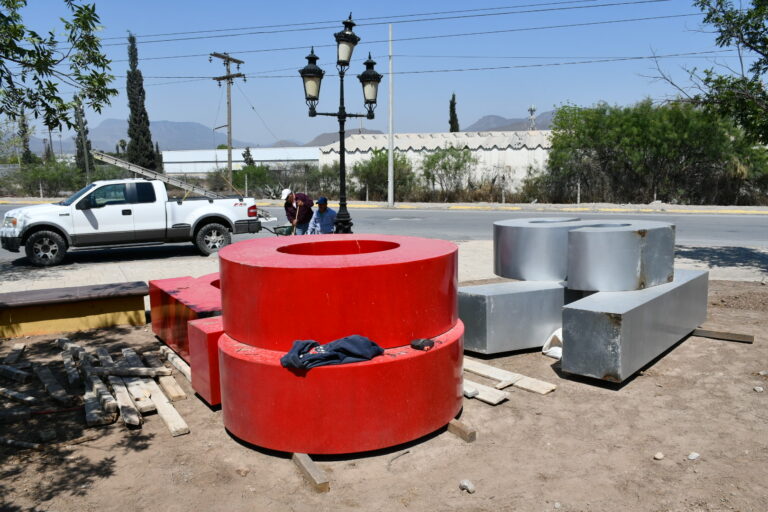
(469, 207)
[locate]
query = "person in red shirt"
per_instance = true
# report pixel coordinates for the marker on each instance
(298, 209)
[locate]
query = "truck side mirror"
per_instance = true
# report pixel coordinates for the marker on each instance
(83, 204)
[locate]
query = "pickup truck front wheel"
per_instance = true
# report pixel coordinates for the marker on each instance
(212, 237)
(45, 248)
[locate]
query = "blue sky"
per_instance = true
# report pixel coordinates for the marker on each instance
(270, 105)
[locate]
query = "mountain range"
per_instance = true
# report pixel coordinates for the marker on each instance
(174, 135)
(502, 124)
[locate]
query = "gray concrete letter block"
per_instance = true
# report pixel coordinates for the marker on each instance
(620, 256)
(510, 316)
(611, 335)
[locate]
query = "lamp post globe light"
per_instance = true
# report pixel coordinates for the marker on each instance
(312, 76)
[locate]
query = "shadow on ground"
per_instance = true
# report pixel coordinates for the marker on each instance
(725, 256)
(68, 472)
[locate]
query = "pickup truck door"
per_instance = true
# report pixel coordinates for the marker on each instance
(105, 216)
(148, 212)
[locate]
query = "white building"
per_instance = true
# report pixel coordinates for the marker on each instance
(197, 162)
(508, 154)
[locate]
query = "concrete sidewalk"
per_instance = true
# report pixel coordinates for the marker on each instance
(475, 264)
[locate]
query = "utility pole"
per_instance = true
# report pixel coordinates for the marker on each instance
(228, 78)
(390, 130)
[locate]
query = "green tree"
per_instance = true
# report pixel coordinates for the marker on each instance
(449, 167)
(453, 119)
(222, 146)
(50, 178)
(34, 66)
(158, 158)
(248, 158)
(82, 142)
(48, 155)
(27, 157)
(372, 176)
(10, 142)
(139, 150)
(742, 95)
(675, 153)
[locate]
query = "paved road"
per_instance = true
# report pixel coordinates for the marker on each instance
(700, 230)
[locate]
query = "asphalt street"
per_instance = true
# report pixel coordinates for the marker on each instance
(693, 229)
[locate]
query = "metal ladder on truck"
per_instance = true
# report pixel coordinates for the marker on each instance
(141, 171)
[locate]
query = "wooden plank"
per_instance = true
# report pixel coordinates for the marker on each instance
(312, 472)
(77, 351)
(14, 414)
(725, 336)
(129, 412)
(15, 354)
(131, 371)
(507, 378)
(173, 420)
(14, 373)
(69, 365)
(18, 396)
(177, 362)
(168, 384)
(131, 387)
(535, 385)
(93, 414)
(487, 394)
(20, 444)
(504, 377)
(107, 401)
(138, 387)
(462, 430)
(51, 385)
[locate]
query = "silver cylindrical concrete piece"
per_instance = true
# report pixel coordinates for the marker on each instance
(620, 256)
(532, 249)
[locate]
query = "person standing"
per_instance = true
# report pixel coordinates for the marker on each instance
(298, 209)
(323, 220)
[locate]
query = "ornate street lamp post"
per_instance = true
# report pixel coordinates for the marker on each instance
(312, 76)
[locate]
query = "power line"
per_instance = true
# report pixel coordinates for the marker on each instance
(359, 19)
(260, 74)
(404, 55)
(444, 18)
(257, 113)
(438, 36)
(549, 64)
(522, 66)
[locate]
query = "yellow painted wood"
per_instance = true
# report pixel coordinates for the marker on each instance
(72, 316)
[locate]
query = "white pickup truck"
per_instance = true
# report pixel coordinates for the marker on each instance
(125, 212)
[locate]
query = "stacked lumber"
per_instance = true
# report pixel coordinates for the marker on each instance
(104, 388)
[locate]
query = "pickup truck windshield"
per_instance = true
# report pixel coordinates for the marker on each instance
(77, 195)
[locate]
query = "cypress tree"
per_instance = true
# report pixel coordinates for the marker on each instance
(248, 158)
(453, 120)
(48, 155)
(139, 150)
(158, 158)
(26, 155)
(82, 142)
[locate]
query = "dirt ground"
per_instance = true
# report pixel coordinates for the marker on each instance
(585, 447)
